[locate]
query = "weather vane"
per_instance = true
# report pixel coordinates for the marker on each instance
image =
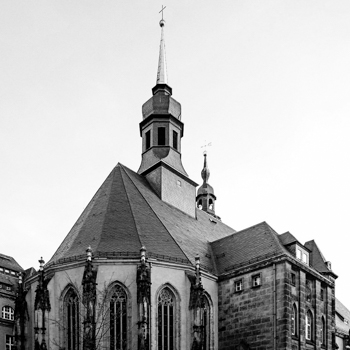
(205, 146)
(161, 11)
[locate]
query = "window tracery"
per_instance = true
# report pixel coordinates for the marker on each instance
(72, 320)
(166, 320)
(118, 319)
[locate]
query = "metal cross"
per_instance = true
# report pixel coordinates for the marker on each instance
(205, 146)
(161, 11)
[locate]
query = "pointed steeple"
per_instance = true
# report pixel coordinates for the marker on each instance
(161, 130)
(205, 196)
(162, 74)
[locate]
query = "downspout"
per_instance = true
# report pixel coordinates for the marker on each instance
(274, 308)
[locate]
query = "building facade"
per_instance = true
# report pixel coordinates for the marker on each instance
(150, 265)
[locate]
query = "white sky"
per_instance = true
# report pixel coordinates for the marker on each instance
(267, 82)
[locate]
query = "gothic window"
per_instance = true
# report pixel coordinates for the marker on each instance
(308, 326)
(118, 319)
(206, 324)
(161, 136)
(72, 320)
(294, 320)
(166, 320)
(7, 313)
(323, 331)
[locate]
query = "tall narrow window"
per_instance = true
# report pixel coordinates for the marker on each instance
(166, 320)
(148, 139)
(161, 136)
(308, 326)
(323, 331)
(206, 324)
(118, 319)
(72, 326)
(294, 320)
(175, 139)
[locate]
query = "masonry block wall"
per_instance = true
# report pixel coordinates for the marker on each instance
(246, 316)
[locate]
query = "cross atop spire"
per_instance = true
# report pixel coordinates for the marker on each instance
(161, 11)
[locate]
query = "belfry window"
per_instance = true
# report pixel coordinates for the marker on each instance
(161, 136)
(118, 319)
(72, 322)
(175, 135)
(148, 139)
(166, 320)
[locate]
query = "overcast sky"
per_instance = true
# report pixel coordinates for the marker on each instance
(266, 82)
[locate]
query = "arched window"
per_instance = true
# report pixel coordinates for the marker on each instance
(211, 204)
(308, 326)
(72, 319)
(323, 331)
(7, 313)
(199, 205)
(206, 323)
(294, 320)
(166, 319)
(118, 319)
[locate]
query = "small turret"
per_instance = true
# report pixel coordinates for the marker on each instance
(205, 195)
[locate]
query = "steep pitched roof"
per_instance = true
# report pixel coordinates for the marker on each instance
(344, 315)
(246, 246)
(125, 214)
(287, 238)
(317, 259)
(9, 262)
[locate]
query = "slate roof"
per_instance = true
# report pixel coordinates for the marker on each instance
(287, 238)
(317, 260)
(125, 213)
(345, 314)
(249, 245)
(9, 262)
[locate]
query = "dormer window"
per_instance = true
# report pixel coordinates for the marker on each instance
(302, 255)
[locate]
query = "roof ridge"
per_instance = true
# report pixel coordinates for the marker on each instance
(161, 222)
(131, 210)
(239, 232)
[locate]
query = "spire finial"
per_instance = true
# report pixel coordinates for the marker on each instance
(162, 75)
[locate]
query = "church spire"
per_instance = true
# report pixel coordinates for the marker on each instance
(205, 196)
(162, 130)
(162, 74)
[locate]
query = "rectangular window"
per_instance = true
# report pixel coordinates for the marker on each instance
(256, 280)
(13, 273)
(1, 269)
(175, 139)
(304, 258)
(293, 279)
(148, 139)
(322, 294)
(7, 271)
(299, 254)
(10, 342)
(238, 286)
(161, 136)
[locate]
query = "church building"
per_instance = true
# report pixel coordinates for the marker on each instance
(149, 265)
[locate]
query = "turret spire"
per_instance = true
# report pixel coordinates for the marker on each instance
(205, 196)
(162, 74)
